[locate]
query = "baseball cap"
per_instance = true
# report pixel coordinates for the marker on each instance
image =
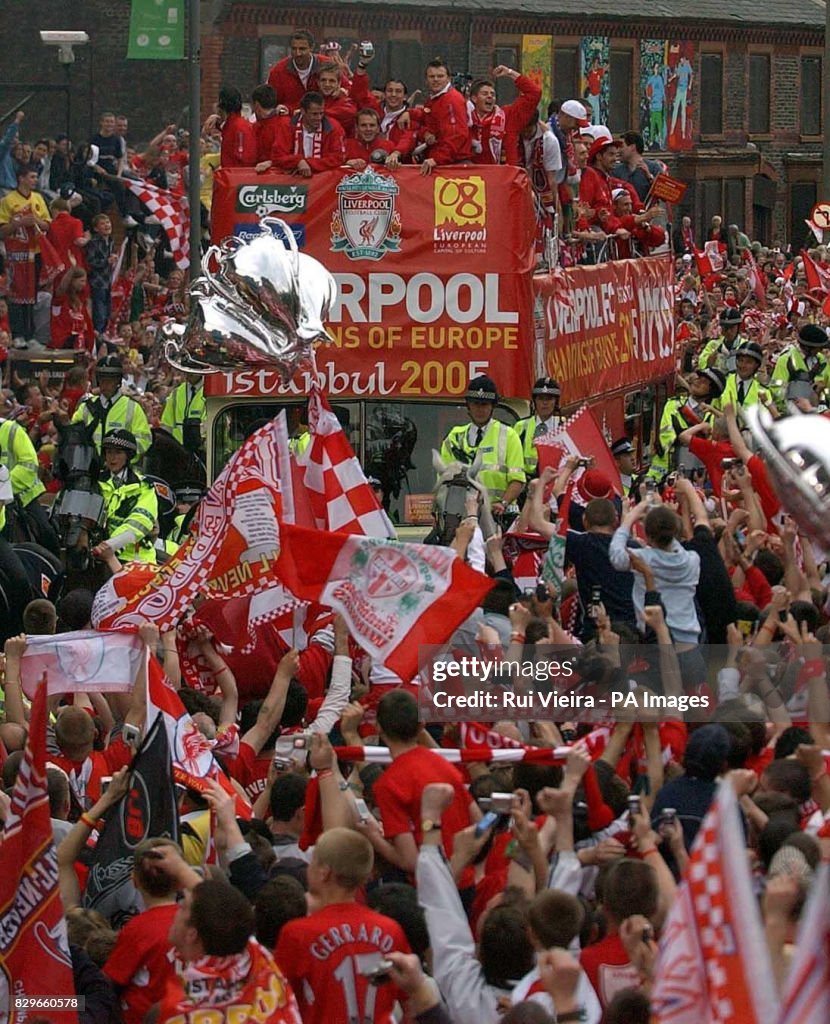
(619, 193)
(574, 109)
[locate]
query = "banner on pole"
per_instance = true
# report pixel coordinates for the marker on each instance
(156, 30)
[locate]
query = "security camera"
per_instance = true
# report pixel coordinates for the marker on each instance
(64, 38)
(64, 42)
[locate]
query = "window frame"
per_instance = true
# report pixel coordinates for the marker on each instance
(712, 50)
(812, 53)
(627, 47)
(767, 52)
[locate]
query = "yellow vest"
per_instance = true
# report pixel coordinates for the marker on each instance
(502, 459)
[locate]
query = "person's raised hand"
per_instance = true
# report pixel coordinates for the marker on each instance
(321, 752)
(15, 647)
(289, 664)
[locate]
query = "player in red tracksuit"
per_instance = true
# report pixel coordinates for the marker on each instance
(595, 187)
(494, 129)
(369, 141)
(264, 103)
(338, 107)
(238, 138)
(647, 236)
(444, 121)
(308, 142)
(393, 108)
(292, 77)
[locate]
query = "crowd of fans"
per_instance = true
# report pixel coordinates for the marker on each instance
(356, 889)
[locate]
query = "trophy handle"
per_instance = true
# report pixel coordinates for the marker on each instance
(215, 279)
(173, 354)
(287, 237)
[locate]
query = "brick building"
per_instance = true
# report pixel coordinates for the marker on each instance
(751, 90)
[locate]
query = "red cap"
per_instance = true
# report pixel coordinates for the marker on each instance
(599, 145)
(594, 484)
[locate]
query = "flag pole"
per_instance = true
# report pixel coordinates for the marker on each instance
(194, 154)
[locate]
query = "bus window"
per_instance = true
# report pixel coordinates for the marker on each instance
(234, 423)
(398, 442)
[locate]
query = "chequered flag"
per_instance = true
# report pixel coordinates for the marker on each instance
(173, 213)
(340, 495)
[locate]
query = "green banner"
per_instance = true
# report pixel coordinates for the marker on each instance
(156, 30)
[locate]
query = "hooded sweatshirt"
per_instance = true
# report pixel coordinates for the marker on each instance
(676, 572)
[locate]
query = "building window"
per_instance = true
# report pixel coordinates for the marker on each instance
(811, 95)
(564, 73)
(759, 93)
(734, 190)
(272, 49)
(803, 197)
(505, 87)
(711, 94)
(405, 61)
(619, 106)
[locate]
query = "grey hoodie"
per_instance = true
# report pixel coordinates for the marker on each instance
(676, 572)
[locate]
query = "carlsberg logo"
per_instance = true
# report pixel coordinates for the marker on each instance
(264, 199)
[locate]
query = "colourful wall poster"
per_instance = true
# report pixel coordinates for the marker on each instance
(156, 30)
(681, 94)
(537, 58)
(594, 76)
(652, 96)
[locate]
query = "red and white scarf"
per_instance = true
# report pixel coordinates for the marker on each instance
(535, 166)
(299, 141)
(496, 120)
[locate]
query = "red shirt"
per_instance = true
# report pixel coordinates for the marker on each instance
(249, 769)
(141, 962)
(324, 956)
(764, 489)
(264, 131)
(608, 968)
(357, 150)
(343, 110)
(85, 782)
(515, 116)
(711, 453)
(445, 117)
(238, 142)
(398, 795)
(288, 149)
(286, 82)
(63, 233)
(67, 320)
(595, 191)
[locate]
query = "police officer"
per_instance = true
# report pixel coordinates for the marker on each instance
(684, 411)
(502, 462)
(184, 412)
(742, 387)
(803, 362)
(623, 451)
(17, 454)
(545, 418)
(113, 410)
(720, 352)
(130, 501)
(188, 495)
(14, 580)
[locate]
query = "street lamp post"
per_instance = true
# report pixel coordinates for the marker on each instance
(195, 152)
(65, 42)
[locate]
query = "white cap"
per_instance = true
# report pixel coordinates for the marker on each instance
(574, 109)
(619, 193)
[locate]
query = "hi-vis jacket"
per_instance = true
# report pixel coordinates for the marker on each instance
(17, 454)
(132, 509)
(502, 459)
(122, 413)
(526, 429)
(186, 402)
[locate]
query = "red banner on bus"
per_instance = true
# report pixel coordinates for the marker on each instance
(434, 273)
(606, 327)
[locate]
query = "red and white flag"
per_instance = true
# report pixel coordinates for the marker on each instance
(394, 597)
(82, 661)
(582, 436)
(714, 966)
(173, 213)
(339, 493)
(190, 751)
(235, 547)
(756, 280)
(818, 277)
(807, 993)
(34, 951)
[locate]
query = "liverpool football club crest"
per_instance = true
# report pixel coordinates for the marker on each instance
(366, 223)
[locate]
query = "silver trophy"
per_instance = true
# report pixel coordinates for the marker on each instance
(797, 453)
(259, 302)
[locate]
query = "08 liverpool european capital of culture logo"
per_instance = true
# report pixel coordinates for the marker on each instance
(366, 223)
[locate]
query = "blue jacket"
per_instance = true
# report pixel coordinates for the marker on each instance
(8, 177)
